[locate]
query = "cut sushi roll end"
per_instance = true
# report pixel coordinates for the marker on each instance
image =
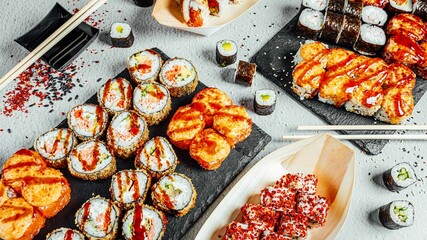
(226, 52)
(65, 234)
(374, 15)
(88, 121)
(144, 222)
(265, 101)
(115, 95)
(179, 76)
(399, 177)
(121, 35)
(397, 214)
(370, 40)
(245, 73)
(144, 66)
(153, 102)
(310, 23)
(318, 5)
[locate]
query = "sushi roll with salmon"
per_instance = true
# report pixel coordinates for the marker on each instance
(174, 193)
(144, 66)
(399, 177)
(65, 234)
(397, 214)
(91, 160)
(88, 121)
(157, 157)
(126, 134)
(115, 95)
(144, 222)
(179, 76)
(55, 146)
(98, 218)
(153, 102)
(129, 187)
(195, 12)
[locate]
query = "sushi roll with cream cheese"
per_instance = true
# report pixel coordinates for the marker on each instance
(144, 222)
(226, 52)
(310, 23)
(152, 101)
(179, 76)
(65, 234)
(144, 66)
(374, 15)
(121, 35)
(129, 187)
(371, 39)
(264, 101)
(115, 95)
(397, 214)
(88, 121)
(399, 177)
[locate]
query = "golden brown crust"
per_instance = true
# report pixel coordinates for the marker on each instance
(209, 101)
(234, 123)
(96, 136)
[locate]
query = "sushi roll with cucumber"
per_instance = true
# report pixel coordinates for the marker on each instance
(397, 214)
(115, 95)
(152, 101)
(144, 66)
(179, 76)
(65, 234)
(226, 52)
(88, 121)
(310, 23)
(370, 40)
(126, 134)
(174, 193)
(399, 177)
(318, 5)
(374, 15)
(157, 157)
(91, 160)
(265, 101)
(98, 218)
(55, 146)
(121, 35)
(144, 222)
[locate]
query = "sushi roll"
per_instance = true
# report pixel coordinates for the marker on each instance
(318, 5)
(337, 6)
(236, 230)
(265, 101)
(144, 66)
(115, 95)
(245, 73)
(262, 217)
(400, 76)
(306, 78)
(65, 234)
(91, 160)
(332, 26)
(397, 105)
(349, 31)
(55, 146)
(371, 38)
(179, 76)
(353, 8)
(129, 187)
(234, 123)
(226, 52)
(420, 9)
(403, 49)
(397, 214)
(216, 7)
(174, 193)
(312, 50)
(398, 6)
(281, 199)
(209, 101)
(407, 24)
(152, 101)
(121, 35)
(98, 218)
(157, 157)
(6, 192)
(195, 12)
(144, 222)
(310, 23)
(314, 207)
(399, 177)
(293, 225)
(374, 15)
(88, 121)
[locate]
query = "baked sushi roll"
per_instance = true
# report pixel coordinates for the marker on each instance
(264, 101)
(234, 123)
(55, 146)
(226, 52)
(152, 101)
(399, 177)
(144, 222)
(310, 23)
(98, 218)
(337, 56)
(115, 95)
(126, 134)
(157, 157)
(245, 73)
(121, 35)
(195, 12)
(366, 99)
(397, 105)
(318, 5)
(399, 76)
(402, 49)
(179, 76)
(6, 192)
(332, 26)
(407, 24)
(88, 121)
(209, 101)
(371, 38)
(349, 31)
(306, 78)
(129, 187)
(65, 234)
(144, 66)
(374, 15)
(91, 160)
(312, 50)
(397, 214)
(399, 6)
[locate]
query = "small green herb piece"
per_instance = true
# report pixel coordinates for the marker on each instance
(152, 150)
(87, 116)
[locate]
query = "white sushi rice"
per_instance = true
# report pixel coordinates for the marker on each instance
(382, 115)
(121, 133)
(125, 192)
(409, 212)
(59, 234)
(186, 68)
(303, 92)
(167, 160)
(372, 34)
(326, 100)
(96, 217)
(120, 30)
(104, 158)
(354, 106)
(45, 142)
(142, 57)
(406, 7)
(311, 19)
(178, 188)
(265, 101)
(150, 219)
(318, 5)
(224, 52)
(395, 171)
(145, 102)
(374, 15)
(115, 93)
(89, 119)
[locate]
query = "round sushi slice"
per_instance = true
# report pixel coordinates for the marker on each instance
(144, 222)
(152, 101)
(174, 193)
(318, 5)
(264, 101)
(55, 145)
(310, 23)
(397, 214)
(370, 40)
(65, 234)
(209, 101)
(121, 35)
(129, 187)
(408, 25)
(374, 15)
(399, 177)
(312, 50)
(157, 157)
(115, 95)
(398, 6)
(144, 66)
(179, 76)
(91, 160)
(126, 134)
(98, 218)
(234, 123)
(88, 121)
(226, 52)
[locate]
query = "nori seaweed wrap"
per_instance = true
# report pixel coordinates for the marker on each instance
(420, 9)
(397, 214)
(121, 35)
(245, 73)
(350, 31)
(332, 26)
(337, 6)
(353, 8)
(310, 23)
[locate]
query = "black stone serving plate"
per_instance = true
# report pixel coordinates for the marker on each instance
(274, 61)
(208, 184)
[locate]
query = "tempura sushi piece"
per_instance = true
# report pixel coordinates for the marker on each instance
(115, 95)
(318, 5)
(312, 50)
(65, 234)
(399, 177)
(377, 3)
(337, 56)
(420, 9)
(403, 49)
(55, 146)
(399, 76)
(262, 217)
(374, 15)
(6, 192)
(91, 160)
(353, 8)
(226, 52)
(310, 23)
(179, 76)
(129, 187)
(144, 66)
(370, 40)
(306, 78)
(366, 99)
(174, 193)
(337, 90)
(407, 24)
(88, 121)
(398, 6)
(144, 222)
(216, 7)
(245, 73)
(293, 225)
(121, 35)
(265, 101)
(332, 26)
(195, 12)
(397, 214)
(98, 218)
(152, 101)
(397, 105)
(234, 123)
(236, 230)
(209, 101)
(421, 66)
(349, 31)
(157, 157)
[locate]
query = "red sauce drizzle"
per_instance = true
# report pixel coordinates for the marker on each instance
(136, 192)
(68, 235)
(26, 212)
(306, 67)
(157, 93)
(188, 114)
(99, 118)
(122, 92)
(139, 230)
(67, 140)
(134, 124)
(107, 88)
(158, 151)
(398, 105)
(21, 165)
(107, 218)
(57, 141)
(144, 68)
(195, 18)
(25, 152)
(405, 41)
(91, 165)
(85, 214)
(165, 197)
(414, 21)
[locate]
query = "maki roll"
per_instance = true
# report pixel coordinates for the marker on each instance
(332, 26)
(399, 177)
(174, 193)
(152, 101)
(371, 38)
(157, 157)
(397, 214)
(226, 52)
(129, 187)
(91, 160)
(179, 76)
(98, 218)
(126, 134)
(195, 12)
(420, 9)
(88, 121)
(144, 222)
(144, 66)
(310, 23)
(121, 35)
(245, 73)
(349, 31)
(337, 6)
(55, 145)
(376, 3)
(374, 15)
(237, 230)
(264, 101)
(353, 8)
(115, 95)
(399, 6)
(318, 5)
(65, 234)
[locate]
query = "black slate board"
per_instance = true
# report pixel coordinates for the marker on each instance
(208, 184)
(274, 61)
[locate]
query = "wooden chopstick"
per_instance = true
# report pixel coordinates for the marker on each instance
(365, 137)
(53, 39)
(362, 127)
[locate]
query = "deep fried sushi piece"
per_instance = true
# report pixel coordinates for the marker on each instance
(65, 234)
(399, 76)
(397, 105)
(421, 67)
(306, 78)
(337, 90)
(262, 217)
(407, 24)
(338, 55)
(312, 50)
(209, 101)
(403, 49)
(366, 98)
(236, 230)
(234, 123)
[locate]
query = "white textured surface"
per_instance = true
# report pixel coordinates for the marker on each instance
(250, 32)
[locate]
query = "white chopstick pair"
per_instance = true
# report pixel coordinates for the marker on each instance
(53, 39)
